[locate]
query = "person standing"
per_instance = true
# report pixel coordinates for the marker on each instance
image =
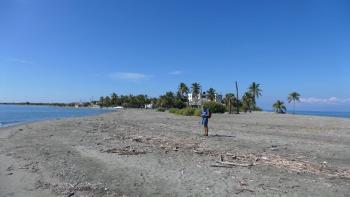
(205, 119)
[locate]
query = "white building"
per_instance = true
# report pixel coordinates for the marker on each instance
(149, 106)
(202, 98)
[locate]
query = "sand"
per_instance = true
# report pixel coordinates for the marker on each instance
(148, 153)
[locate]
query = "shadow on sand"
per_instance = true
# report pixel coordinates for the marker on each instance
(216, 135)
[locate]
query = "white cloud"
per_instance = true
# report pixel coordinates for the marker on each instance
(21, 61)
(176, 72)
(330, 100)
(131, 76)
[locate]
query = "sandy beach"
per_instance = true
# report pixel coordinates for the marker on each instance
(149, 153)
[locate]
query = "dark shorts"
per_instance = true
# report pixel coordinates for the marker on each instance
(205, 121)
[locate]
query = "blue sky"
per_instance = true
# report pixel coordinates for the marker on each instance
(70, 50)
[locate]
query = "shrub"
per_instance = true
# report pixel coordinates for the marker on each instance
(188, 111)
(215, 107)
(257, 109)
(173, 110)
(161, 110)
(197, 112)
(179, 103)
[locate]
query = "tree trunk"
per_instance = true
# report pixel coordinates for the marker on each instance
(254, 101)
(237, 108)
(229, 104)
(294, 108)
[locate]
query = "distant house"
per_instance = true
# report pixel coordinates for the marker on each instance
(77, 105)
(95, 106)
(149, 106)
(202, 98)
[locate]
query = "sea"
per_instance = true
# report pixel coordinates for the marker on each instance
(18, 114)
(324, 113)
(321, 113)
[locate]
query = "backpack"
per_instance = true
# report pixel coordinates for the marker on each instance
(209, 116)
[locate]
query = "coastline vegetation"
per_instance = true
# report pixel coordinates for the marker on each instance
(174, 100)
(293, 97)
(178, 102)
(279, 107)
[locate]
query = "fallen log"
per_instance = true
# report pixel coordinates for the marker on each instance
(236, 164)
(225, 164)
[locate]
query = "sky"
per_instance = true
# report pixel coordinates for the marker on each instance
(72, 50)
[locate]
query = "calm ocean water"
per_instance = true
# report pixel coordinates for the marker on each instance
(15, 114)
(322, 113)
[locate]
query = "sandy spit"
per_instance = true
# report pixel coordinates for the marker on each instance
(148, 153)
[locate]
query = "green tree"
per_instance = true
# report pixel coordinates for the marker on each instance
(293, 97)
(196, 90)
(114, 99)
(140, 100)
(107, 101)
(255, 90)
(102, 101)
(167, 100)
(230, 101)
(183, 90)
(279, 107)
(247, 102)
(124, 100)
(214, 107)
(211, 94)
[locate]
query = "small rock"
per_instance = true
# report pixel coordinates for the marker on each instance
(10, 168)
(274, 148)
(71, 194)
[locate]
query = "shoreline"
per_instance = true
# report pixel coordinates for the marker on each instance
(112, 111)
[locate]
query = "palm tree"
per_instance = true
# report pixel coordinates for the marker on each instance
(196, 89)
(247, 102)
(183, 89)
(211, 94)
(254, 88)
(292, 97)
(141, 100)
(279, 107)
(101, 102)
(183, 92)
(114, 99)
(230, 100)
(107, 101)
(167, 100)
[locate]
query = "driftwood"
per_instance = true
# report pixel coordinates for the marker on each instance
(243, 190)
(226, 164)
(227, 159)
(125, 151)
(221, 166)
